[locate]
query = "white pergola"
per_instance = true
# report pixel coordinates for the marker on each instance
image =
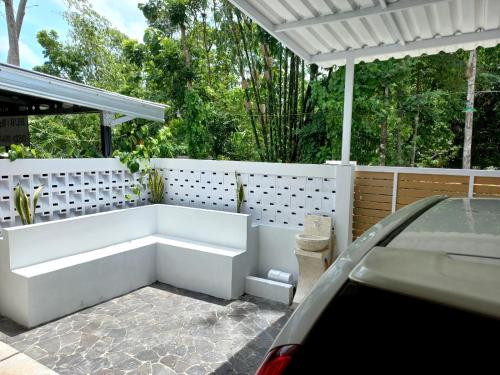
(344, 32)
(25, 93)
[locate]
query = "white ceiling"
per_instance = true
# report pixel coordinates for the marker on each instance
(326, 32)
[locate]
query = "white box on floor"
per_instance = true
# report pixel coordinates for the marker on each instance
(269, 289)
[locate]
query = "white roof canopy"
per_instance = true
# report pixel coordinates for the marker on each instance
(328, 32)
(338, 32)
(19, 88)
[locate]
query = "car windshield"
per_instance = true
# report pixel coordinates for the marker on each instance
(364, 324)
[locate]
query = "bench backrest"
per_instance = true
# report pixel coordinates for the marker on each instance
(42, 242)
(215, 227)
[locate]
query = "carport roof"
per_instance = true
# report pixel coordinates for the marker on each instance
(328, 32)
(26, 92)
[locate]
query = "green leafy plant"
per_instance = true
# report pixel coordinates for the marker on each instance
(148, 177)
(23, 205)
(19, 151)
(156, 186)
(240, 193)
(134, 160)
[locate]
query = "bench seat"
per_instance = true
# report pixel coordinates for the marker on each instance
(59, 287)
(201, 267)
(38, 288)
(89, 256)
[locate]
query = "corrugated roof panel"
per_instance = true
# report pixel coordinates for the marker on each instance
(402, 26)
(319, 41)
(342, 5)
(443, 14)
(321, 7)
(469, 19)
(312, 39)
(386, 29)
(301, 8)
(328, 31)
(272, 14)
(300, 38)
(288, 12)
(421, 23)
(365, 3)
(361, 29)
(349, 35)
(337, 42)
(18, 80)
(493, 15)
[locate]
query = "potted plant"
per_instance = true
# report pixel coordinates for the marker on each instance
(23, 204)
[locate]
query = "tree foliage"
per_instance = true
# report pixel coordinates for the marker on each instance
(234, 92)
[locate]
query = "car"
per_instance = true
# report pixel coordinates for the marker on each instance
(420, 289)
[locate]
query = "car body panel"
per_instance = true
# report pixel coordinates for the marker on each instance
(331, 282)
(434, 276)
(458, 225)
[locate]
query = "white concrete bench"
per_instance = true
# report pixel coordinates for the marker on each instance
(52, 269)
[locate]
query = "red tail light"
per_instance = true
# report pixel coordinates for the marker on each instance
(277, 360)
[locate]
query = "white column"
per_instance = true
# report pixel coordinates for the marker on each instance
(344, 195)
(348, 96)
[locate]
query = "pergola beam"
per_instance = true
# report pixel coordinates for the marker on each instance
(397, 49)
(383, 8)
(108, 119)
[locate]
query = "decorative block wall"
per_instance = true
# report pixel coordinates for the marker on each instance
(269, 198)
(277, 194)
(68, 191)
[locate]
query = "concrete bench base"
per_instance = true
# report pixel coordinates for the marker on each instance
(33, 294)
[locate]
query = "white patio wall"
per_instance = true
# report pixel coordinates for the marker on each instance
(277, 194)
(274, 193)
(73, 187)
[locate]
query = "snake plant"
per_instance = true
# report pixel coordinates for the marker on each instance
(23, 204)
(156, 186)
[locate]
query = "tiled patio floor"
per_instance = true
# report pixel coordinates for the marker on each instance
(155, 330)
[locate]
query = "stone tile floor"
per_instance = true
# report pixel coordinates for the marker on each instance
(157, 329)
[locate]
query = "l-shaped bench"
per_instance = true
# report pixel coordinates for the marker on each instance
(52, 269)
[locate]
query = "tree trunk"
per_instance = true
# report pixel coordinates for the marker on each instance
(399, 145)
(417, 117)
(187, 54)
(469, 110)
(415, 134)
(284, 118)
(383, 130)
(14, 25)
(237, 41)
(399, 138)
(206, 47)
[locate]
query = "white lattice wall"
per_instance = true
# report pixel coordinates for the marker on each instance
(71, 187)
(279, 194)
(279, 199)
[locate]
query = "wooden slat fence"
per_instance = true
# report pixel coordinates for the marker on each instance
(379, 191)
(372, 199)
